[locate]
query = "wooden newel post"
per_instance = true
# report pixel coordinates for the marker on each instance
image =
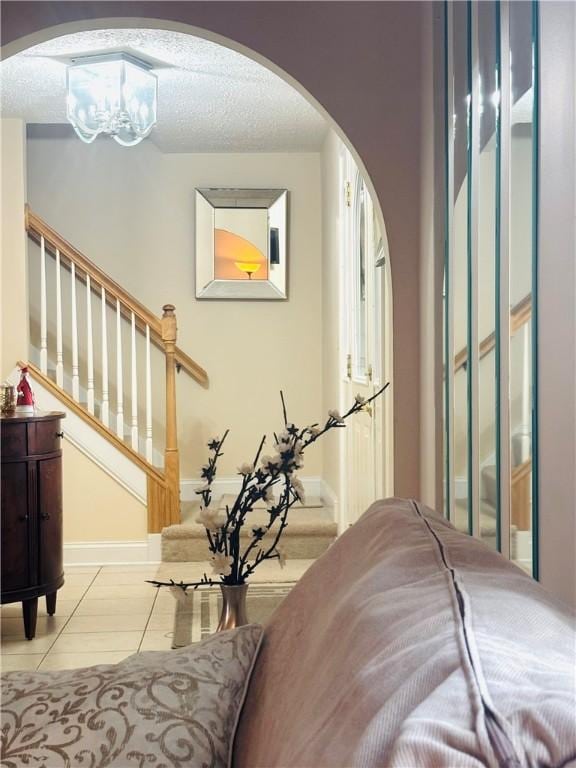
(171, 456)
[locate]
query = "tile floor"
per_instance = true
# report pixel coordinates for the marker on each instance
(104, 614)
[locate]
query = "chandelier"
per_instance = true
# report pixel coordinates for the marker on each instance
(114, 94)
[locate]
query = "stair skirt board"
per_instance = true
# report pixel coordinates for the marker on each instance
(98, 553)
(91, 443)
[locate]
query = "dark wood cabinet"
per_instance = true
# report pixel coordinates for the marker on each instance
(31, 515)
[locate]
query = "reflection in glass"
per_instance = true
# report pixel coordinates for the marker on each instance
(493, 40)
(240, 244)
(487, 271)
(521, 273)
(460, 260)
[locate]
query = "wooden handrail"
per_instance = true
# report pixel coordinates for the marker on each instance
(521, 471)
(519, 315)
(37, 228)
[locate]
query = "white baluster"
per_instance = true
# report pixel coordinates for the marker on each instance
(148, 398)
(105, 408)
(59, 351)
(119, 378)
(134, 410)
(89, 346)
(43, 323)
(75, 373)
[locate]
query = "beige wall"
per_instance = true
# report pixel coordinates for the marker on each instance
(96, 507)
(14, 316)
(132, 212)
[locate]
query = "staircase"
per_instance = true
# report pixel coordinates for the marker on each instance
(97, 352)
(110, 361)
(309, 534)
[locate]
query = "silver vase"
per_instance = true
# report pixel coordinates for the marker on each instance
(233, 606)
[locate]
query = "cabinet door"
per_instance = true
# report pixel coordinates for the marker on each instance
(50, 519)
(15, 523)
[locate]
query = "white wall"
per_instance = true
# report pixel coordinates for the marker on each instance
(132, 212)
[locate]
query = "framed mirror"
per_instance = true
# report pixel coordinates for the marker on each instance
(241, 243)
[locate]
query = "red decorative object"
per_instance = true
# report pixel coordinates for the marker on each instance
(25, 396)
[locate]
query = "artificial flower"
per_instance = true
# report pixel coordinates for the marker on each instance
(334, 414)
(271, 462)
(245, 468)
(210, 518)
(359, 399)
(314, 431)
(283, 447)
(221, 564)
(214, 444)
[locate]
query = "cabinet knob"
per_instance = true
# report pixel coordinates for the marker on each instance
(23, 518)
(59, 434)
(45, 515)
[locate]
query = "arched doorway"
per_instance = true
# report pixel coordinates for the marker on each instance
(385, 138)
(377, 214)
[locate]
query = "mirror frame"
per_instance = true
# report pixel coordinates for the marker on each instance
(208, 201)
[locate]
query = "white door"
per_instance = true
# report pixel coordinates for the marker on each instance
(362, 330)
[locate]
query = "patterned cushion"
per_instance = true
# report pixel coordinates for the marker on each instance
(175, 708)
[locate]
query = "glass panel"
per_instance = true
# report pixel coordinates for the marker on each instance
(460, 251)
(487, 281)
(521, 279)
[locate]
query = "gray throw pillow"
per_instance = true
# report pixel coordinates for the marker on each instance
(173, 708)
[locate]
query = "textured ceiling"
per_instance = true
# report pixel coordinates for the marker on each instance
(210, 99)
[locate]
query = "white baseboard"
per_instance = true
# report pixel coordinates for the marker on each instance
(146, 552)
(313, 487)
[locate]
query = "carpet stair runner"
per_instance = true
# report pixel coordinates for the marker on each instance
(310, 531)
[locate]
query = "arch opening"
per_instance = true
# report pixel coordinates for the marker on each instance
(157, 25)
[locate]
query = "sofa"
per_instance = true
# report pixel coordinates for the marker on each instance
(406, 644)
